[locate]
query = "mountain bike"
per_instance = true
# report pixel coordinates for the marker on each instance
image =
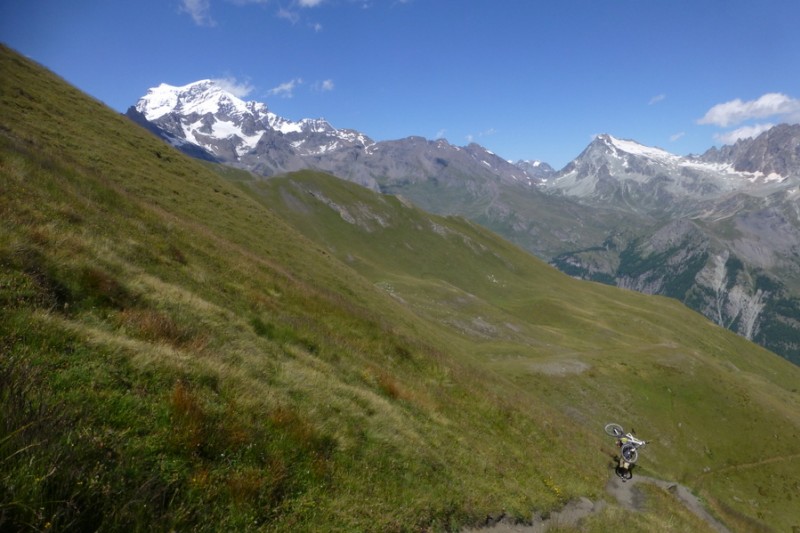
(629, 444)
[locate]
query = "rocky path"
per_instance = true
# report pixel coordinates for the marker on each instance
(572, 513)
(630, 498)
(625, 493)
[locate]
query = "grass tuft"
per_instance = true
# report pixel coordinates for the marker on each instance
(157, 326)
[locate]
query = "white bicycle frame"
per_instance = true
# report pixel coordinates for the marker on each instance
(633, 440)
(629, 448)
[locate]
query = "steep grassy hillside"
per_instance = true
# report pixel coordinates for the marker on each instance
(186, 349)
(586, 350)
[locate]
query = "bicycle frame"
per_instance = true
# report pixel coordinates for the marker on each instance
(629, 445)
(633, 440)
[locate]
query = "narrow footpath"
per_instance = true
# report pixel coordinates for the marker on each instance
(625, 493)
(630, 498)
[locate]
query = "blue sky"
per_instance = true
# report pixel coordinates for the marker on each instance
(527, 79)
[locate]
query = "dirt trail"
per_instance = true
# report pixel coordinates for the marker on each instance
(572, 513)
(745, 466)
(630, 498)
(627, 496)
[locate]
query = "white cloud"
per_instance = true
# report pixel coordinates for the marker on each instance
(745, 132)
(323, 86)
(674, 137)
(235, 87)
(768, 105)
(656, 99)
(292, 12)
(288, 14)
(440, 133)
(286, 89)
(199, 11)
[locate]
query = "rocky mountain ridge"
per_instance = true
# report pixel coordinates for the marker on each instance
(628, 175)
(725, 238)
(247, 135)
(776, 151)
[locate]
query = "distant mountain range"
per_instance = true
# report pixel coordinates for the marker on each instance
(248, 135)
(719, 231)
(627, 175)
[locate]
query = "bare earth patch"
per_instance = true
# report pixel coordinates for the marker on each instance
(561, 367)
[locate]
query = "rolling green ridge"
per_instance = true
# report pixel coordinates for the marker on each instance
(185, 347)
(541, 223)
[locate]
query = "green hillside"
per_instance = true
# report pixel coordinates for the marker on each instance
(541, 223)
(185, 348)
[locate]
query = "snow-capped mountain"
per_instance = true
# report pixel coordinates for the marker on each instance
(203, 116)
(624, 173)
(723, 234)
(233, 131)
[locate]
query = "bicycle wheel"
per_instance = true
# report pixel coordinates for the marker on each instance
(629, 453)
(615, 430)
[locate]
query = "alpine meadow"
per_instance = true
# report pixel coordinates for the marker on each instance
(186, 346)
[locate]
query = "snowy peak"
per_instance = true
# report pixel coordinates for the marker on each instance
(619, 172)
(201, 97)
(625, 146)
(624, 155)
(205, 114)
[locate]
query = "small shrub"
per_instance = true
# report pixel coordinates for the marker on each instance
(246, 485)
(263, 329)
(101, 288)
(402, 352)
(302, 434)
(389, 386)
(282, 335)
(177, 255)
(188, 419)
(156, 326)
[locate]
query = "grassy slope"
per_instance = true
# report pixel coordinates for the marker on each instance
(174, 355)
(645, 360)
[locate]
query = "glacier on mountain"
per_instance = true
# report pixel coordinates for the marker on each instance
(205, 114)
